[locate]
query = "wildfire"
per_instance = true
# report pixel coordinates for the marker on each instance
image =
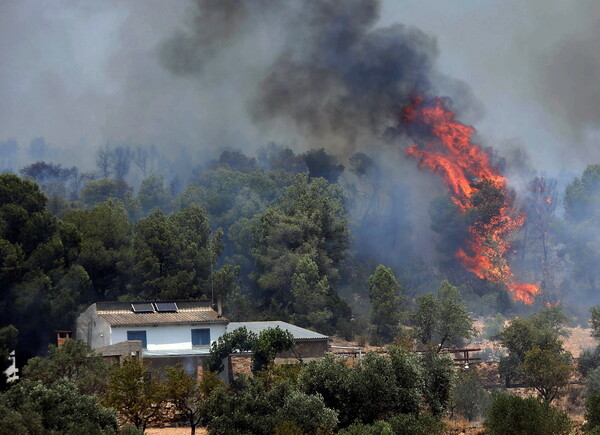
(476, 186)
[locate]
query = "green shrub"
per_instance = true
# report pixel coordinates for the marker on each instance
(588, 361)
(254, 410)
(345, 329)
(514, 415)
(593, 381)
(59, 408)
(439, 376)
(377, 428)
(423, 424)
(308, 412)
(592, 411)
(508, 368)
(401, 424)
(470, 399)
(13, 422)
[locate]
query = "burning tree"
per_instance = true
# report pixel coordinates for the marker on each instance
(477, 187)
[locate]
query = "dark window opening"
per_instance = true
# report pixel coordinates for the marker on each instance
(201, 337)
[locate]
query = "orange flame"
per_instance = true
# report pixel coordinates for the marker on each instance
(462, 164)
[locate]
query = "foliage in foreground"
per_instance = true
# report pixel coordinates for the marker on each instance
(255, 410)
(381, 386)
(403, 424)
(469, 398)
(187, 396)
(74, 361)
(136, 393)
(264, 347)
(30, 407)
(511, 414)
(536, 353)
(592, 412)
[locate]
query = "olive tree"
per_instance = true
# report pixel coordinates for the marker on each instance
(442, 319)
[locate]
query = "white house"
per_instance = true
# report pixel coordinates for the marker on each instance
(169, 333)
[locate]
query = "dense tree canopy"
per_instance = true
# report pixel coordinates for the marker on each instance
(31, 408)
(385, 302)
(308, 220)
(535, 352)
(442, 319)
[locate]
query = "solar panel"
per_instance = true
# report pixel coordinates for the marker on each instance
(142, 307)
(165, 307)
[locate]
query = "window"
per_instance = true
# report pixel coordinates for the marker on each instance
(201, 337)
(138, 335)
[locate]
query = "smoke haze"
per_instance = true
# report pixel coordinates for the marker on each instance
(83, 73)
(194, 77)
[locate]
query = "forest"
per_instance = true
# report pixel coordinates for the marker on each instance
(294, 237)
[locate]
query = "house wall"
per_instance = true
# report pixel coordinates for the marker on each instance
(167, 337)
(92, 329)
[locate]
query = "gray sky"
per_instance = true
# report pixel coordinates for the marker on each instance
(80, 73)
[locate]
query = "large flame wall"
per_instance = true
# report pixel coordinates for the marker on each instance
(464, 167)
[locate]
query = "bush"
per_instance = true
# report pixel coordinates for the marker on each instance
(331, 379)
(288, 428)
(381, 386)
(469, 397)
(308, 412)
(588, 361)
(439, 376)
(345, 329)
(59, 408)
(592, 411)
(402, 424)
(423, 424)
(377, 428)
(375, 386)
(13, 422)
(511, 414)
(255, 410)
(593, 381)
(508, 368)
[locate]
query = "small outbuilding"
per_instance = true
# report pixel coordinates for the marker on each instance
(309, 344)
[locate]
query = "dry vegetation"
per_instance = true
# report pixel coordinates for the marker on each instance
(174, 431)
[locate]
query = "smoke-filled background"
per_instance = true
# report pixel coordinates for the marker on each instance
(131, 89)
(211, 74)
(205, 75)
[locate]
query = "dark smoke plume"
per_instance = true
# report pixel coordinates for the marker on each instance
(331, 72)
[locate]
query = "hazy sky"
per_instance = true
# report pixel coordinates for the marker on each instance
(80, 73)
